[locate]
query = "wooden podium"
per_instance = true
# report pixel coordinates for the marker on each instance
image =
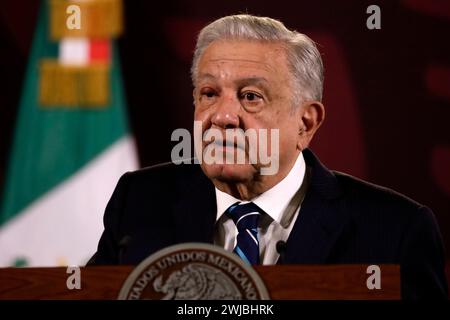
(302, 282)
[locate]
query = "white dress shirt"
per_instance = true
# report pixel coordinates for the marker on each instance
(281, 206)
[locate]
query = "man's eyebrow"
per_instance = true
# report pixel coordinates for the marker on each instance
(252, 81)
(240, 82)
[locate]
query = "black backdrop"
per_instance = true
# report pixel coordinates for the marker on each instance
(387, 92)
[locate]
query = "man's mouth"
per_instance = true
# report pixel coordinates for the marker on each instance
(218, 143)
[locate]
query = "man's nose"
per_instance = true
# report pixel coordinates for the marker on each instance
(226, 114)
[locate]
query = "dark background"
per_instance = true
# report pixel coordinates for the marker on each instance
(387, 92)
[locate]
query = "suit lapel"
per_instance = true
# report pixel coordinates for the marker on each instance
(321, 218)
(195, 208)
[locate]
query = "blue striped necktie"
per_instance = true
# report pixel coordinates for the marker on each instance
(245, 217)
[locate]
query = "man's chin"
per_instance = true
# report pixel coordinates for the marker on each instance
(229, 172)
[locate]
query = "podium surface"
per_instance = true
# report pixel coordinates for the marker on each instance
(302, 282)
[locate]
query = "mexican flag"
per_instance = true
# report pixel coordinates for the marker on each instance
(66, 158)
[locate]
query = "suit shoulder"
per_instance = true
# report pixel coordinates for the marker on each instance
(164, 174)
(165, 168)
(381, 210)
(377, 197)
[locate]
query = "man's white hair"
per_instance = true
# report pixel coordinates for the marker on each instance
(303, 57)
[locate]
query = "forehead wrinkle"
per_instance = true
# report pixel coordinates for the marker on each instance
(250, 75)
(265, 66)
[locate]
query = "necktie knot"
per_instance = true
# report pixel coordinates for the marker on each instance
(245, 217)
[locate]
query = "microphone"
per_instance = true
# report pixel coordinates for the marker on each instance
(281, 249)
(122, 246)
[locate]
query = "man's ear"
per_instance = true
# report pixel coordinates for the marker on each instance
(312, 115)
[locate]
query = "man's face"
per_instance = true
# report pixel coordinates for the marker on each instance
(247, 85)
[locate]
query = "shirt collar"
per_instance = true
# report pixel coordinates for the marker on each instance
(275, 200)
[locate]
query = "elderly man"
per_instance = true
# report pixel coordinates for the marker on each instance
(253, 73)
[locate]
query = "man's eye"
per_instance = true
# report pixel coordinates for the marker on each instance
(208, 94)
(251, 96)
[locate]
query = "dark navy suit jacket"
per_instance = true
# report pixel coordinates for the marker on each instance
(342, 220)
